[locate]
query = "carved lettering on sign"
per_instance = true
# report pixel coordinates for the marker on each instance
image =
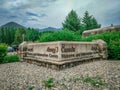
(71, 49)
(54, 56)
(53, 50)
(67, 55)
(38, 54)
(24, 48)
(30, 49)
(84, 54)
(44, 55)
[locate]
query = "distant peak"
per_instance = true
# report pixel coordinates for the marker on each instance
(12, 25)
(49, 29)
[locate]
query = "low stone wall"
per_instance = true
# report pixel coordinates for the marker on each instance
(101, 30)
(63, 52)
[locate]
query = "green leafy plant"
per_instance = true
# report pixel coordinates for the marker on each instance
(93, 81)
(113, 43)
(49, 83)
(10, 58)
(63, 35)
(88, 79)
(31, 88)
(3, 51)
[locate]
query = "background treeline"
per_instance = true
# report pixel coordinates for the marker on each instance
(14, 36)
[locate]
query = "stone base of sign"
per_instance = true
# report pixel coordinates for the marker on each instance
(62, 54)
(59, 65)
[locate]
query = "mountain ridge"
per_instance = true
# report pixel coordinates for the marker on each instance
(49, 29)
(16, 25)
(12, 25)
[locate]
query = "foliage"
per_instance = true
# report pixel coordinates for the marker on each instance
(3, 51)
(114, 49)
(72, 22)
(59, 36)
(49, 83)
(89, 22)
(11, 58)
(17, 35)
(31, 34)
(113, 42)
(31, 88)
(7, 35)
(93, 81)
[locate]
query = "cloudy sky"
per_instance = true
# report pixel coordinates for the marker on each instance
(45, 13)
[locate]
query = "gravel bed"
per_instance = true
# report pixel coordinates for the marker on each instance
(25, 76)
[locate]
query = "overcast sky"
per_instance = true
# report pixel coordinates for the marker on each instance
(45, 13)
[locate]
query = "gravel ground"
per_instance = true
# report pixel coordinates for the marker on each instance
(25, 76)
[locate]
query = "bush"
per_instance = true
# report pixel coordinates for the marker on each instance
(3, 51)
(113, 43)
(10, 58)
(114, 50)
(59, 36)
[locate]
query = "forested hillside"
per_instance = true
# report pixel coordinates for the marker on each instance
(13, 33)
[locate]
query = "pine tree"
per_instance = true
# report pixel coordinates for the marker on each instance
(72, 22)
(94, 23)
(89, 22)
(19, 36)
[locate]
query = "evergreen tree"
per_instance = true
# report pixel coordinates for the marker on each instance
(31, 34)
(72, 22)
(94, 23)
(20, 32)
(89, 22)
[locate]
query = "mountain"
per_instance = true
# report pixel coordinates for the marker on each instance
(49, 29)
(16, 25)
(12, 25)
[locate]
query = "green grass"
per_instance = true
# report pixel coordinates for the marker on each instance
(94, 81)
(10, 58)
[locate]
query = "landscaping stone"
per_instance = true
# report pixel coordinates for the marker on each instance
(22, 76)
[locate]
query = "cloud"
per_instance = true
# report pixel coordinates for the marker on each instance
(12, 17)
(103, 11)
(44, 13)
(31, 14)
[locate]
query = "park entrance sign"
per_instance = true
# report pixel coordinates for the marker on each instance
(62, 54)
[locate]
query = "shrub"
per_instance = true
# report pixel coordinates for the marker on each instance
(113, 43)
(63, 35)
(10, 58)
(3, 51)
(114, 50)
